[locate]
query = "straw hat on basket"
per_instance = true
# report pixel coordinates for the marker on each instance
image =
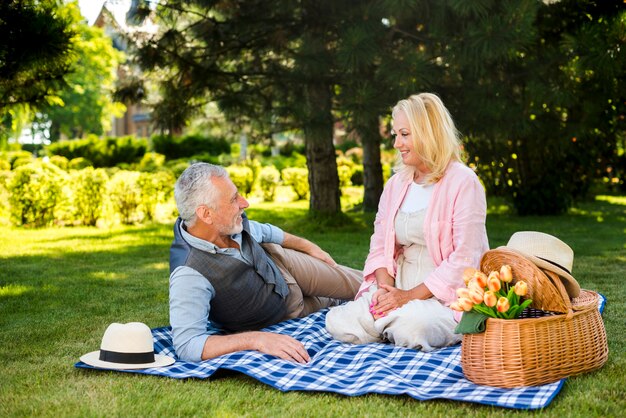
(126, 346)
(548, 253)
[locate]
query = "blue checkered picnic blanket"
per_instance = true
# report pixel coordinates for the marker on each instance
(355, 369)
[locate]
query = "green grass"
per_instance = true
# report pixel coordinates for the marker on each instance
(60, 288)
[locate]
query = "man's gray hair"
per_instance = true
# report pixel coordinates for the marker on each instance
(194, 188)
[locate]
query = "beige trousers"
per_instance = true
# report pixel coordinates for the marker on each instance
(313, 284)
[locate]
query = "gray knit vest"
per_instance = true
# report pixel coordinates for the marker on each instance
(247, 297)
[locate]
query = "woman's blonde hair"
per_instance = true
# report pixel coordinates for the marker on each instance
(434, 135)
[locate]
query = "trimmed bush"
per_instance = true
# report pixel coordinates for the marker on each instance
(345, 173)
(243, 177)
(88, 187)
(36, 189)
(176, 167)
(151, 162)
(102, 152)
(155, 188)
(5, 180)
(5, 165)
(11, 156)
(269, 179)
(79, 163)
(255, 166)
(125, 195)
(298, 179)
(60, 162)
(186, 146)
(21, 161)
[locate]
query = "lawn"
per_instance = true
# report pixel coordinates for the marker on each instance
(61, 287)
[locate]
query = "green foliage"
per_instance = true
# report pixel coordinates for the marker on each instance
(124, 195)
(174, 147)
(5, 180)
(387, 172)
(18, 162)
(86, 102)
(88, 186)
(357, 175)
(297, 178)
(60, 162)
(254, 165)
(281, 162)
(35, 50)
(36, 189)
(102, 152)
(289, 148)
(345, 169)
(79, 163)
(151, 162)
(12, 156)
(5, 165)
(345, 174)
(155, 188)
(242, 177)
(269, 179)
(176, 167)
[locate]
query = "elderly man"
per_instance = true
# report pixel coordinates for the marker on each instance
(238, 276)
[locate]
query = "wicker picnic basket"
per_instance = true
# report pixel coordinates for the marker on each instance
(555, 338)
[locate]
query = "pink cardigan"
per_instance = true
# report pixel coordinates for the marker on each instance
(454, 229)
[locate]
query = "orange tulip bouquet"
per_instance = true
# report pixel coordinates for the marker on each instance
(493, 295)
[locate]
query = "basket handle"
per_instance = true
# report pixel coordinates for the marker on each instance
(556, 281)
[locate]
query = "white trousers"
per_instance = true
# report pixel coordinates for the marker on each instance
(420, 324)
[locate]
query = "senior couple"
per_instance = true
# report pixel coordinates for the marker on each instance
(236, 276)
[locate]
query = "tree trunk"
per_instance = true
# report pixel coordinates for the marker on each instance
(369, 132)
(320, 150)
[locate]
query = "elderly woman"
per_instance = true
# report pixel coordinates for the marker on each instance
(430, 226)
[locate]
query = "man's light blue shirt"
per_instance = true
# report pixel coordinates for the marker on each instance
(191, 292)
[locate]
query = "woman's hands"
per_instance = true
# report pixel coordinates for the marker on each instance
(386, 299)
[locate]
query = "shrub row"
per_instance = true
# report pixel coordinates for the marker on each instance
(53, 191)
(101, 152)
(41, 194)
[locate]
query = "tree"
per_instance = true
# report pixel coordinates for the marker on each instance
(35, 55)
(87, 105)
(284, 64)
(538, 88)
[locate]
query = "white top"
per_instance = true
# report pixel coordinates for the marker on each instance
(414, 264)
(417, 197)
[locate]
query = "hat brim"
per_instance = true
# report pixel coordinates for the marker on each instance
(93, 359)
(569, 282)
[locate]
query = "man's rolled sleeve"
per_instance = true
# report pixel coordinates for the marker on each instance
(269, 233)
(190, 298)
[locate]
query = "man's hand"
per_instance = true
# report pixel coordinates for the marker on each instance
(282, 346)
(317, 252)
(304, 245)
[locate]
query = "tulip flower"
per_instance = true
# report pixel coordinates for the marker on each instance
(462, 292)
(481, 278)
(473, 284)
(490, 298)
(468, 273)
(465, 304)
(503, 304)
(494, 283)
(506, 274)
(476, 294)
(521, 288)
(456, 307)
